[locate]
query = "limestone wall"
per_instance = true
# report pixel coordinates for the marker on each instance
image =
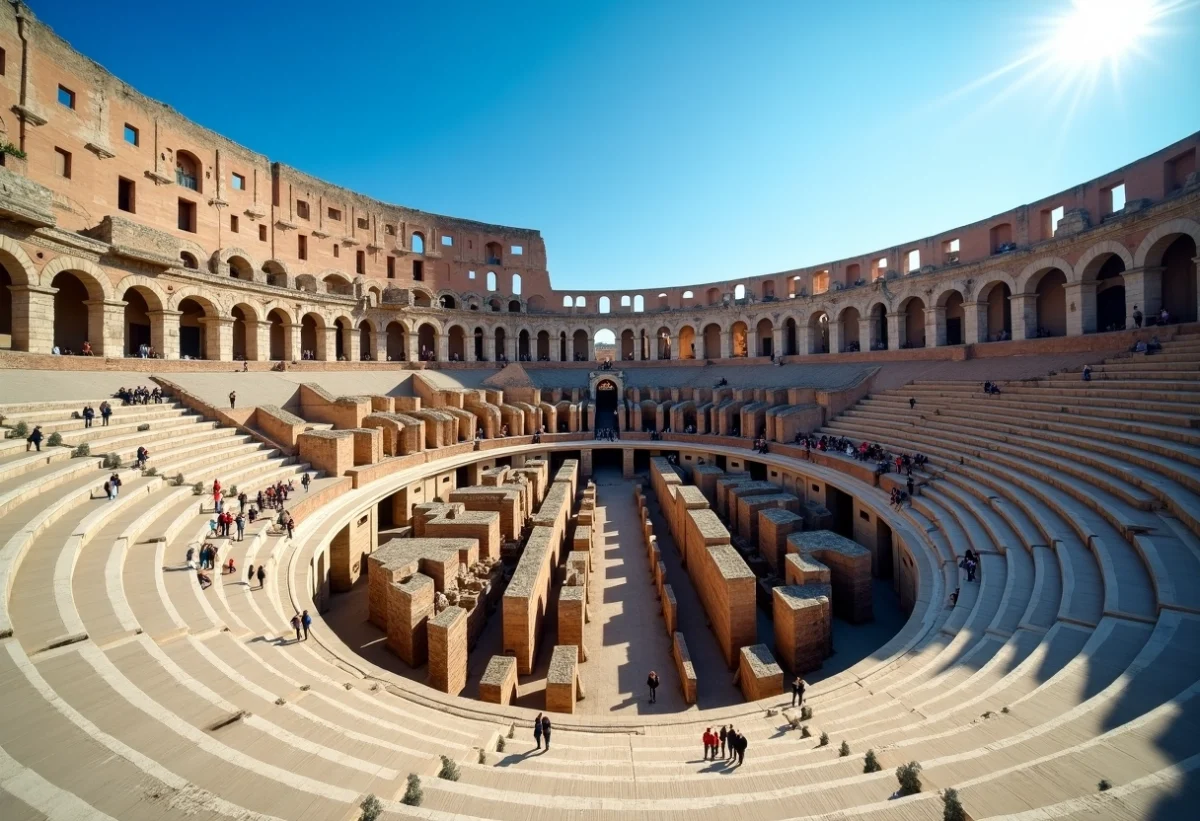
(448, 651)
(499, 682)
(758, 674)
(850, 570)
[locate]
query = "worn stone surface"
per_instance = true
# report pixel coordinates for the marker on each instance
(499, 682)
(774, 526)
(849, 564)
(562, 680)
(448, 651)
(758, 674)
(803, 626)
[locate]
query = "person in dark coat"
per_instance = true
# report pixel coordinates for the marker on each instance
(652, 683)
(261, 573)
(723, 736)
(741, 744)
(35, 439)
(537, 732)
(798, 691)
(546, 730)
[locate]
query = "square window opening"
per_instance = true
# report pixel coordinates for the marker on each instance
(132, 135)
(66, 97)
(447, 240)
(239, 182)
(233, 223)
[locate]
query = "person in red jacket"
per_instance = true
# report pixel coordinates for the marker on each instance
(710, 744)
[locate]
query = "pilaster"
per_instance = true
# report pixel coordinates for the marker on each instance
(106, 326)
(1081, 307)
(33, 318)
(218, 337)
(1024, 315)
(975, 322)
(164, 333)
(895, 327)
(935, 327)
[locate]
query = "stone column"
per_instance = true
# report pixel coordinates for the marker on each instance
(351, 344)
(106, 326)
(380, 352)
(443, 346)
(489, 347)
(804, 339)
(673, 349)
(1081, 308)
(1143, 289)
(866, 337)
(253, 339)
(164, 333)
(591, 349)
(412, 342)
(218, 337)
(33, 318)
(291, 342)
(835, 336)
(1024, 315)
(895, 326)
(935, 327)
(777, 339)
(726, 344)
(975, 327)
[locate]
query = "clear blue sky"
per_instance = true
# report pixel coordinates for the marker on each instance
(658, 143)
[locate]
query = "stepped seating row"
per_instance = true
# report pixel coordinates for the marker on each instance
(198, 701)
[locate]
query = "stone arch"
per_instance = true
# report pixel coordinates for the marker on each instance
(818, 332)
(687, 341)
(1049, 288)
(428, 333)
(236, 263)
(246, 316)
(343, 329)
(912, 315)
(153, 293)
(1031, 274)
(89, 273)
(275, 272)
(396, 341)
(995, 309)
(849, 321)
(367, 334)
(199, 331)
(20, 267)
(422, 298)
(335, 282)
(306, 282)
(281, 325)
(764, 335)
(1151, 249)
(739, 339)
(200, 293)
(1093, 258)
(790, 337)
(711, 337)
(143, 321)
(951, 317)
(313, 330)
(877, 325)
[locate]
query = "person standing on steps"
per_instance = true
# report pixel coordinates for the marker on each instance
(105, 412)
(242, 500)
(232, 399)
(305, 622)
(88, 415)
(723, 736)
(306, 481)
(35, 439)
(798, 692)
(241, 526)
(291, 527)
(1137, 317)
(296, 625)
(652, 683)
(912, 402)
(261, 574)
(546, 731)
(116, 483)
(742, 744)
(710, 744)
(537, 731)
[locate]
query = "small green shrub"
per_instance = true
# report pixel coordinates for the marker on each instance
(143, 427)
(1105, 785)
(844, 750)
(55, 440)
(512, 730)
(232, 492)
(824, 740)
(870, 763)
(805, 732)
(12, 150)
(952, 808)
(482, 756)
(178, 480)
(449, 770)
(500, 744)
(150, 472)
(19, 431)
(806, 713)
(112, 461)
(82, 449)
(413, 795)
(371, 808)
(909, 776)
(198, 488)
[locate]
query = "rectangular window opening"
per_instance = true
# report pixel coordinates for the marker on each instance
(302, 209)
(66, 97)
(364, 223)
(447, 240)
(126, 196)
(516, 250)
(262, 233)
(239, 182)
(418, 270)
(391, 267)
(334, 214)
(302, 246)
(1055, 218)
(62, 163)
(360, 262)
(132, 135)
(914, 261)
(470, 274)
(187, 216)
(337, 251)
(1116, 198)
(233, 223)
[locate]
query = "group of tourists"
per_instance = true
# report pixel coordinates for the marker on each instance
(301, 621)
(732, 744)
(223, 525)
(991, 389)
(760, 444)
(140, 395)
(607, 434)
(541, 729)
(88, 414)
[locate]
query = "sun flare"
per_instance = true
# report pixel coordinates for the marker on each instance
(1102, 31)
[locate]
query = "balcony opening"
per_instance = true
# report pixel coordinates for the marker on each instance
(126, 195)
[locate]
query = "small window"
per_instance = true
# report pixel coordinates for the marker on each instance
(390, 230)
(866, 517)
(239, 182)
(914, 261)
(302, 246)
(262, 233)
(334, 214)
(418, 244)
(364, 223)
(516, 250)
(187, 216)
(132, 135)
(567, 302)
(337, 251)
(126, 198)
(302, 209)
(470, 274)
(418, 270)
(950, 246)
(360, 262)
(391, 267)
(626, 301)
(739, 291)
(491, 280)
(1055, 218)
(1116, 198)
(516, 284)
(188, 260)
(447, 240)
(820, 282)
(688, 295)
(62, 163)
(66, 97)
(233, 223)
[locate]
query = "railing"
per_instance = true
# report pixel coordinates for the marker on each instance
(185, 180)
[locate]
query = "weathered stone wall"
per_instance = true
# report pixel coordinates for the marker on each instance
(803, 626)
(349, 549)
(448, 651)
(758, 674)
(685, 668)
(499, 682)
(562, 680)
(327, 450)
(774, 526)
(850, 570)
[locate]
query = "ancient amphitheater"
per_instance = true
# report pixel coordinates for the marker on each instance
(500, 524)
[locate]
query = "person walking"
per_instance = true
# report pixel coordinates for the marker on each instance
(242, 500)
(89, 413)
(306, 481)
(291, 527)
(35, 439)
(191, 554)
(108, 490)
(546, 730)
(116, 483)
(652, 683)
(306, 622)
(240, 521)
(912, 402)
(1137, 317)
(249, 575)
(261, 574)
(537, 732)
(296, 625)
(232, 399)
(798, 692)
(723, 736)
(742, 744)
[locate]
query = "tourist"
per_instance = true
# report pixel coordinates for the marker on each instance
(249, 575)
(115, 479)
(707, 738)
(88, 415)
(652, 683)
(954, 597)
(296, 625)
(232, 399)
(731, 741)
(216, 491)
(1140, 346)
(87, 349)
(213, 557)
(305, 622)
(1137, 317)
(537, 732)
(912, 402)
(291, 527)
(741, 743)
(724, 737)
(143, 456)
(35, 439)
(798, 691)
(1087, 373)
(105, 412)
(108, 490)
(1164, 317)
(213, 524)
(911, 487)
(306, 481)
(241, 526)
(261, 575)
(191, 554)
(546, 730)
(204, 579)
(230, 567)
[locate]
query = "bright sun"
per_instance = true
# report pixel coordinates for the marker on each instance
(1102, 31)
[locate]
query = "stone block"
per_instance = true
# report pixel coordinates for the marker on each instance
(670, 609)
(816, 516)
(758, 674)
(499, 682)
(774, 526)
(748, 508)
(331, 451)
(685, 668)
(562, 680)
(571, 605)
(368, 445)
(448, 651)
(849, 566)
(409, 608)
(803, 626)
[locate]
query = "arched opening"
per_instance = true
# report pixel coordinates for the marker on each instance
(137, 322)
(568, 302)
(187, 172)
(275, 274)
(457, 349)
(639, 304)
(914, 323)
(494, 257)
(765, 334)
(605, 305)
(535, 304)
(514, 306)
(280, 331)
(581, 302)
(491, 280)
(663, 338)
(493, 305)
(312, 337)
(712, 341)
(579, 346)
(626, 302)
(341, 342)
(713, 296)
(686, 295)
(366, 341)
(418, 243)
(879, 328)
(768, 290)
(849, 321)
(543, 346)
(789, 337)
(1051, 303)
(1110, 295)
(606, 405)
(239, 268)
(739, 345)
(501, 339)
(563, 356)
(955, 318)
(1179, 279)
(397, 344)
(447, 301)
(427, 342)
(818, 333)
(998, 315)
(627, 345)
(306, 282)
(739, 291)
(189, 261)
(422, 299)
(193, 342)
(687, 342)
(523, 351)
(477, 337)
(70, 312)
(243, 337)
(6, 309)
(516, 284)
